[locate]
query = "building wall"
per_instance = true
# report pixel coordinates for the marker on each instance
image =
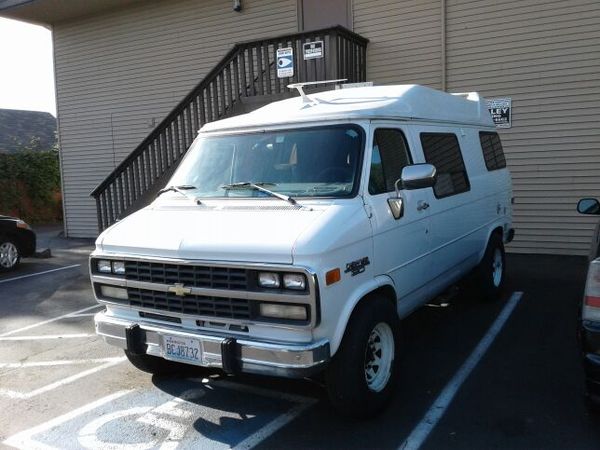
(119, 73)
(545, 55)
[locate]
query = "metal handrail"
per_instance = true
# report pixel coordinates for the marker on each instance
(156, 155)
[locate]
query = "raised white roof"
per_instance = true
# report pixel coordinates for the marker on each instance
(407, 102)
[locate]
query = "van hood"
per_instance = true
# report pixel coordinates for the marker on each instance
(240, 233)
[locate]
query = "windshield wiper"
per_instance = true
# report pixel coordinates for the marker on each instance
(259, 187)
(181, 190)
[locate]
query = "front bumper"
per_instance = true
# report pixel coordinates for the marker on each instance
(227, 353)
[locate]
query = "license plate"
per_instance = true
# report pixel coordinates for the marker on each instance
(182, 349)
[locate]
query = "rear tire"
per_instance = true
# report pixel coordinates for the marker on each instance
(10, 256)
(490, 273)
(155, 365)
(361, 377)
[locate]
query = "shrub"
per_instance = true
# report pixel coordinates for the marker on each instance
(30, 185)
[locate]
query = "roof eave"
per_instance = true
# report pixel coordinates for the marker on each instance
(50, 12)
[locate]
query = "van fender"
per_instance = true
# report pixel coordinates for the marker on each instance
(493, 227)
(357, 295)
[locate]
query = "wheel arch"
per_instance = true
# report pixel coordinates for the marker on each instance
(14, 237)
(495, 229)
(381, 285)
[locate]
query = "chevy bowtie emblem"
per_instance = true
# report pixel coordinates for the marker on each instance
(180, 289)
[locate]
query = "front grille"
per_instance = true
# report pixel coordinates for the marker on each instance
(199, 305)
(189, 275)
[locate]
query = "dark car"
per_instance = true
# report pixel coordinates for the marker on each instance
(589, 324)
(17, 240)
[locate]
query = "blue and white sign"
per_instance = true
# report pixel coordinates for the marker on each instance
(285, 62)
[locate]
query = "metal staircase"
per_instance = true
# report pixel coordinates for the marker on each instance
(245, 79)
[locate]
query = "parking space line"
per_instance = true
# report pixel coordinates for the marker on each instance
(47, 336)
(440, 405)
(165, 416)
(40, 273)
(303, 403)
(59, 362)
(23, 439)
(26, 395)
(260, 435)
(44, 322)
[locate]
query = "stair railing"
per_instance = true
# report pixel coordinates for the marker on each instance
(248, 69)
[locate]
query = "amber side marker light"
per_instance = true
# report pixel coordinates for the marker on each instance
(333, 276)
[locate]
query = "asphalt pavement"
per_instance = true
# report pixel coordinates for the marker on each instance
(475, 375)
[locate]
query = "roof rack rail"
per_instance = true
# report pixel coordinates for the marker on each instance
(300, 86)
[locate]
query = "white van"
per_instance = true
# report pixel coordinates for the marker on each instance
(292, 240)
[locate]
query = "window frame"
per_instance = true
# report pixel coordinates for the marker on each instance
(408, 152)
(462, 160)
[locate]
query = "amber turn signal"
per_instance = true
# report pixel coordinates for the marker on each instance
(333, 276)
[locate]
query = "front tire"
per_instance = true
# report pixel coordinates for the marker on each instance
(361, 377)
(9, 254)
(491, 270)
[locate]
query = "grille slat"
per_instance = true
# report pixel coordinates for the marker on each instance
(222, 307)
(196, 276)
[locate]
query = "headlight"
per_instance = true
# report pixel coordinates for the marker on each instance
(114, 292)
(118, 267)
(268, 280)
(294, 281)
(23, 225)
(104, 266)
(283, 311)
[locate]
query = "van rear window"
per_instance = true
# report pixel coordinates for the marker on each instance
(442, 150)
(492, 150)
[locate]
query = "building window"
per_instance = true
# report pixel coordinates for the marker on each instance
(442, 150)
(390, 155)
(492, 150)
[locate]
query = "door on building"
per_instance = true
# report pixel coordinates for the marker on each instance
(317, 14)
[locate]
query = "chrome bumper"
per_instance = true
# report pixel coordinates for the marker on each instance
(227, 353)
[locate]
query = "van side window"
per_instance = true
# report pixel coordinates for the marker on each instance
(492, 150)
(442, 150)
(390, 155)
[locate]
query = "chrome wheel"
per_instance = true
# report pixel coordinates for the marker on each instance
(9, 255)
(497, 268)
(379, 356)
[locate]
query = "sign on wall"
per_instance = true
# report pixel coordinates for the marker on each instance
(285, 62)
(501, 111)
(312, 50)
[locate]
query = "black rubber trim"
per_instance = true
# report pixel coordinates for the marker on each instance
(134, 338)
(228, 356)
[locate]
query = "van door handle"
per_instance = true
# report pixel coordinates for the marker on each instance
(422, 205)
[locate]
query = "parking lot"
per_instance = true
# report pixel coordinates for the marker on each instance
(475, 375)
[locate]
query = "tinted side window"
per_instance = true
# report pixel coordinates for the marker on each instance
(492, 150)
(390, 155)
(442, 150)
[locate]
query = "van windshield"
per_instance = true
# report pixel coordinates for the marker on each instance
(309, 162)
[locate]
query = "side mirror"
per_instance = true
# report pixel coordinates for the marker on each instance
(588, 206)
(417, 176)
